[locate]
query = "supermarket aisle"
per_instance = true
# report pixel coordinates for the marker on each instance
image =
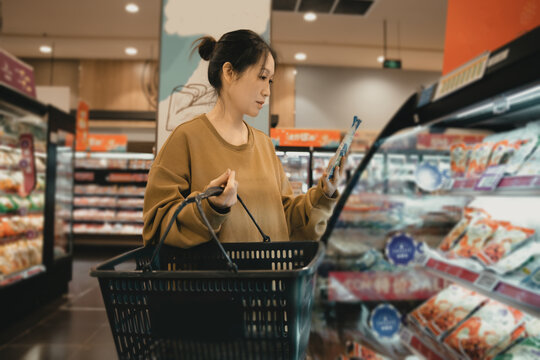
(75, 327)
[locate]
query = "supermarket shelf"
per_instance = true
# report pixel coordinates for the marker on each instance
(21, 212)
(99, 207)
(96, 221)
(6, 280)
(111, 195)
(107, 170)
(27, 235)
(423, 346)
(488, 284)
(509, 185)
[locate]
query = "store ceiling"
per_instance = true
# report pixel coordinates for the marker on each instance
(101, 29)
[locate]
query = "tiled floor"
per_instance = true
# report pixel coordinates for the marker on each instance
(74, 327)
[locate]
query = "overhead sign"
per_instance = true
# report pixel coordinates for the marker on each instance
(17, 74)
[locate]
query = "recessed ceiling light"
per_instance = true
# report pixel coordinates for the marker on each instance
(46, 49)
(132, 8)
(310, 16)
(380, 59)
(300, 56)
(131, 51)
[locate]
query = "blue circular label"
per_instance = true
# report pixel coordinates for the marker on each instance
(385, 321)
(401, 249)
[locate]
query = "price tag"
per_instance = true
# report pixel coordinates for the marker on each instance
(487, 281)
(491, 178)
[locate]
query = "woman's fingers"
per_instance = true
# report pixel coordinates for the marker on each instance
(221, 179)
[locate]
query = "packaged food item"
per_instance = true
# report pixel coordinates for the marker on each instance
(507, 340)
(458, 159)
(476, 235)
(531, 166)
(502, 151)
(459, 310)
(533, 280)
(459, 229)
(438, 304)
(517, 258)
(485, 329)
(479, 159)
(507, 238)
(524, 148)
(6, 205)
(527, 349)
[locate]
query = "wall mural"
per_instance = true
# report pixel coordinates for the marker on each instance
(184, 91)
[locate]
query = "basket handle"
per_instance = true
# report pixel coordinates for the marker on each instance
(212, 191)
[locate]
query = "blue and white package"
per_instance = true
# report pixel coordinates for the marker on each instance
(344, 146)
(385, 321)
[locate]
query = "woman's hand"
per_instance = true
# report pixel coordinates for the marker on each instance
(228, 196)
(330, 186)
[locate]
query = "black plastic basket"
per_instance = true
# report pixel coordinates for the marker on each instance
(191, 308)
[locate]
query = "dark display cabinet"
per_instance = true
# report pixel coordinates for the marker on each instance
(433, 247)
(36, 166)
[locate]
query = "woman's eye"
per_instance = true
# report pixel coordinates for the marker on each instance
(271, 81)
(263, 78)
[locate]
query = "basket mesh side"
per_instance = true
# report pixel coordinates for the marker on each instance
(214, 318)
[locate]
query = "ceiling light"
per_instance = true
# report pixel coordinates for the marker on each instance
(310, 16)
(131, 51)
(132, 8)
(46, 49)
(300, 56)
(380, 59)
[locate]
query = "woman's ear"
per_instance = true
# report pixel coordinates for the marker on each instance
(229, 75)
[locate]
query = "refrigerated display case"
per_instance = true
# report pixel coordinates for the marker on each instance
(109, 196)
(296, 164)
(35, 242)
(464, 214)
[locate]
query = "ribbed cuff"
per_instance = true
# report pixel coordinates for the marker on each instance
(215, 218)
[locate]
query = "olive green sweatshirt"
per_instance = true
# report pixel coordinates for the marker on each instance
(193, 155)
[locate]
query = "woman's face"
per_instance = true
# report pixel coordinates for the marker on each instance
(250, 90)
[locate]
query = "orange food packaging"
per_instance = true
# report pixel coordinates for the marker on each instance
(478, 232)
(479, 159)
(506, 239)
(475, 338)
(469, 213)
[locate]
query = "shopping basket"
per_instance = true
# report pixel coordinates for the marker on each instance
(165, 302)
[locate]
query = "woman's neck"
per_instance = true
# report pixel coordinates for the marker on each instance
(228, 123)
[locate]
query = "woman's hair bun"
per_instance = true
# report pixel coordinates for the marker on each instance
(206, 47)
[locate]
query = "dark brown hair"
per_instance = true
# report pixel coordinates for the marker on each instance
(242, 48)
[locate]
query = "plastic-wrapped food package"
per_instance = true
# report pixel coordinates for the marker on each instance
(502, 151)
(458, 159)
(531, 166)
(524, 149)
(517, 258)
(527, 349)
(479, 159)
(484, 330)
(438, 304)
(469, 213)
(476, 235)
(507, 238)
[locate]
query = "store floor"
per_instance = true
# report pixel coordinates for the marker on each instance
(73, 327)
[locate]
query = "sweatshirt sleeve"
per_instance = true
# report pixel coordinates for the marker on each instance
(168, 185)
(306, 214)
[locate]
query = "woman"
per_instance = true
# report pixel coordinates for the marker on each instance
(220, 149)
